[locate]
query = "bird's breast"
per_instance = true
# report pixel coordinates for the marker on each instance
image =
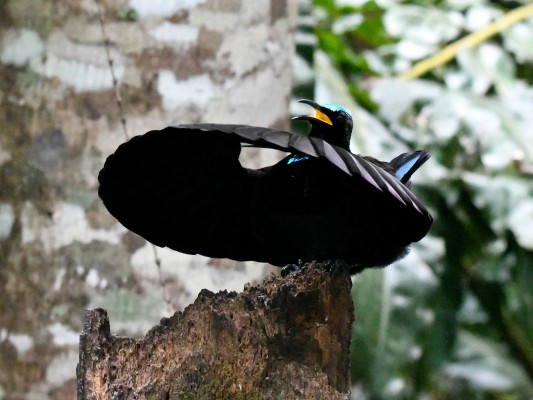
(304, 186)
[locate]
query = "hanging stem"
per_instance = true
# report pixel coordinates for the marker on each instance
(123, 122)
(110, 61)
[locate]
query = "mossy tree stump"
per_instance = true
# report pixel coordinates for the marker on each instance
(285, 338)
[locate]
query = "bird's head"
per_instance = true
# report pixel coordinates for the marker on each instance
(331, 123)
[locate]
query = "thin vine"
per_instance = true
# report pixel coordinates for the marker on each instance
(123, 122)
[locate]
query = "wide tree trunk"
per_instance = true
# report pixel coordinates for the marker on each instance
(285, 338)
(174, 61)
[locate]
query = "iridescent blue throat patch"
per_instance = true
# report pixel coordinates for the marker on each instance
(296, 158)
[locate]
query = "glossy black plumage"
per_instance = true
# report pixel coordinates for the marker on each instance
(183, 187)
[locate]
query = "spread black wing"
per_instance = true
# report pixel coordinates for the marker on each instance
(183, 187)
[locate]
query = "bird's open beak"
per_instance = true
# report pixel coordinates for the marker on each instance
(318, 112)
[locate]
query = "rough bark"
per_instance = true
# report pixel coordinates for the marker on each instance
(285, 338)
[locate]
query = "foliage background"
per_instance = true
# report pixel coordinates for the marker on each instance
(453, 319)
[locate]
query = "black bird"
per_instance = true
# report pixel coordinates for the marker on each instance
(183, 187)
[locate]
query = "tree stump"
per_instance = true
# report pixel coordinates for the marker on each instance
(285, 338)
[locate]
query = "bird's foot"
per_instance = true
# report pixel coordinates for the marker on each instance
(287, 269)
(334, 266)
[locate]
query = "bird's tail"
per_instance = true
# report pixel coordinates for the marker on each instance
(406, 164)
